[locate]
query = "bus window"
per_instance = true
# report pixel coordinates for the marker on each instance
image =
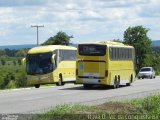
(92, 50)
(39, 63)
(67, 55)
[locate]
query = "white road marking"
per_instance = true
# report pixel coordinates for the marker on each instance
(34, 98)
(68, 93)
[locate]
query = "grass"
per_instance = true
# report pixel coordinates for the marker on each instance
(146, 108)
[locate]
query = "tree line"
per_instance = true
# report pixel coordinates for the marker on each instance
(146, 54)
(13, 53)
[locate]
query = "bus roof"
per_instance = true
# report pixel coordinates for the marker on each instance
(110, 43)
(49, 48)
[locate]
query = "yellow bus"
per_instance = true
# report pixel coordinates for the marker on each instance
(105, 63)
(51, 64)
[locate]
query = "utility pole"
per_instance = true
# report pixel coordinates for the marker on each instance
(37, 26)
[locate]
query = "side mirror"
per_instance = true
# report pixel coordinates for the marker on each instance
(23, 61)
(53, 58)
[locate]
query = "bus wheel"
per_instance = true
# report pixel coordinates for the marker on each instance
(128, 84)
(37, 85)
(114, 86)
(118, 82)
(60, 82)
(131, 80)
(86, 86)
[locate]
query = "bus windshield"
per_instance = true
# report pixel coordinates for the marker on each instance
(39, 63)
(92, 50)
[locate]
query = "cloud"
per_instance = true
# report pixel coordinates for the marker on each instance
(84, 19)
(120, 3)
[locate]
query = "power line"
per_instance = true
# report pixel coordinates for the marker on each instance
(37, 26)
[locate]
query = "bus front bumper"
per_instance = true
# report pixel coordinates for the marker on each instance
(39, 79)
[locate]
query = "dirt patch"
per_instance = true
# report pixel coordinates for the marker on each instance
(109, 108)
(117, 107)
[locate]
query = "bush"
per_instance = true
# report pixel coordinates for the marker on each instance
(6, 80)
(12, 75)
(1, 81)
(14, 63)
(11, 85)
(21, 80)
(19, 62)
(157, 72)
(3, 62)
(152, 104)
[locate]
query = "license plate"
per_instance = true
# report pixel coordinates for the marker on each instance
(91, 77)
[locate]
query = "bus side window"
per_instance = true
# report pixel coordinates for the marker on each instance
(55, 61)
(111, 53)
(114, 53)
(66, 55)
(125, 53)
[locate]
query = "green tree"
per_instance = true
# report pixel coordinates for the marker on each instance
(14, 62)
(156, 50)
(2, 53)
(137, 37)
(156, 63)
(3, 62)
(19, 61)
(61, 38)
(21, 53)
(6, 81)
(10, 53)
(117, 40)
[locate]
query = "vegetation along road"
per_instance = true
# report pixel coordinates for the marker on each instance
(34, 100)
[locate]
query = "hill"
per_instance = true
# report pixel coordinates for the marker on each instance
(17, 47)
(156, 43)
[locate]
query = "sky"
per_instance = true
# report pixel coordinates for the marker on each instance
(85, 20)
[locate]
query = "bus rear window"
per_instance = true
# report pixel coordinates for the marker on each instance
(92, 50)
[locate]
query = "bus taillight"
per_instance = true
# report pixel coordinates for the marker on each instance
(106, 73)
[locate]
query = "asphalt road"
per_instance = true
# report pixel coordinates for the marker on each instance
(34, 100)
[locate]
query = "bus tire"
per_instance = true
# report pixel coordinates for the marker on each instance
(114, 86)
(131, 80)
(118, 82)
(128, 84)
(60, 82)
(86, 86)
(37, 85)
